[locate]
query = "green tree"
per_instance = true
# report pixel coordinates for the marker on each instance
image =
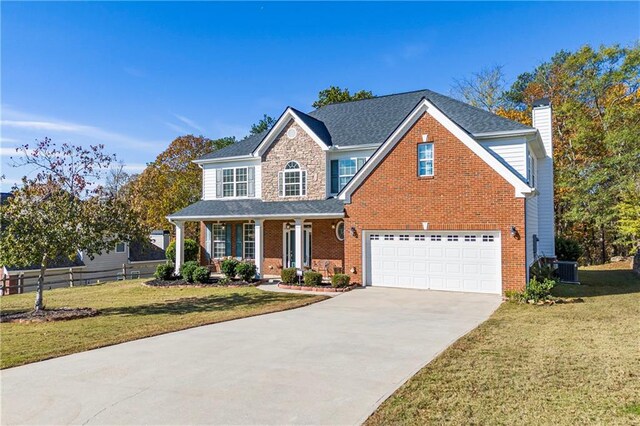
(336, 95)
(265, 123)
(596, 129)
(62, 210)
(173, 181)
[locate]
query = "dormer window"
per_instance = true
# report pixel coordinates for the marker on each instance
(292, 181)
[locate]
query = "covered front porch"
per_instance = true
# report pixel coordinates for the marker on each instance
(273, 235)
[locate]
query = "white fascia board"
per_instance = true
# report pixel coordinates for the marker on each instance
(288, 115)
(223, 159)
(354, 147)
(521, 188)
(536, 144)
(504, 134)
(254, 216)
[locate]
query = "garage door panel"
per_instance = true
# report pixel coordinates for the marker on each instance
(455, 261)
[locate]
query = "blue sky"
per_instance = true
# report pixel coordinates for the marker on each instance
(136, 75)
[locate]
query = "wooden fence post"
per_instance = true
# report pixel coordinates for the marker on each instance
(124, 271)
(70, 277)
(21, 283)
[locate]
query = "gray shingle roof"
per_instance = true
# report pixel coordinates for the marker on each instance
(258, 208)
(371, 121)
(145, 251)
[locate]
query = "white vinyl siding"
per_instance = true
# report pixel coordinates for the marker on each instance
(546, 221)
(209, 183)
(531, 211)
(512, 152)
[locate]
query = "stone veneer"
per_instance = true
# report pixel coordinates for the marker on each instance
(306, 152)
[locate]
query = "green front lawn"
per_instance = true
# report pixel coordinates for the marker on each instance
(561, 364)
(128, 311)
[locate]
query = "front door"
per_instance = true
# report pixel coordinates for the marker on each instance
(289, 259)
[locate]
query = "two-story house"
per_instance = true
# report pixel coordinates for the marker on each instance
(412, 190)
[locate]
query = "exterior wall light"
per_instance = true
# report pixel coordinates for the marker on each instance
(514, 231)
(352, 231)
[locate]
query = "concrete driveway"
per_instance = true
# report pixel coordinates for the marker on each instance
(332, 362)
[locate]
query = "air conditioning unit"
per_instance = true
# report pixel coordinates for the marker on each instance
(567, 271)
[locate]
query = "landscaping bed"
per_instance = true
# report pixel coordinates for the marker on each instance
(319, 288)
(45, 315)
(213, 282)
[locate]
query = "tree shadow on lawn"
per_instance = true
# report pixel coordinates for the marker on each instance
(601, 282)
(189, 305)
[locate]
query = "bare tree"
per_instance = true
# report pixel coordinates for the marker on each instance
(118, 179)
(484, 89)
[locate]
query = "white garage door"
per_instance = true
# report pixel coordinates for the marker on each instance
(453, 261)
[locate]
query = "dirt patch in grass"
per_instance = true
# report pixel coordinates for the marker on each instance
(562, 364)
(43, 315)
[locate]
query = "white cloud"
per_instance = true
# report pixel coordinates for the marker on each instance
(189, 122)
(176, 128)
(23, 121)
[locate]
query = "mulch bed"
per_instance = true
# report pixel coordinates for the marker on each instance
(45, 315)
(185, 283)
(320, 289)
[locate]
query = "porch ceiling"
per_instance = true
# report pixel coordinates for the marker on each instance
(257, 209)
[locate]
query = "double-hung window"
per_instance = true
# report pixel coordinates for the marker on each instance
(219, 241)
(293, 180)
(425, 159)
(249, 240)
(343, 170)
(235, 182)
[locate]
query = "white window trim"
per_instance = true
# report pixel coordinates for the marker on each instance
(235, 182)
(349, 176)
(245, 227)
(343, 230)
(432, 159)
(302, 184)
(214, 241)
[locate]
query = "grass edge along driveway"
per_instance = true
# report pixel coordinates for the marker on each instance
(128, 311)
(560, 364)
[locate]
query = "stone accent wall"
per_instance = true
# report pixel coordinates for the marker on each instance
(306, 152)
(464, 194)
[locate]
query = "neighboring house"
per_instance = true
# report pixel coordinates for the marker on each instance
(413, 190)
(135, 259)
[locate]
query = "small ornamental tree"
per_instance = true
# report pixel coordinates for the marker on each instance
(62, 209)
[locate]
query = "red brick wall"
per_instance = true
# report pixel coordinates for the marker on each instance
(464, 194)
(325, 246)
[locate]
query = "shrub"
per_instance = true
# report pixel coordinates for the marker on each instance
(164, 271)
(542, 271)
(224, 281)
(289, 275)
(568, 249)
(187, 270)
(191, 250)
(201, 274)
(228, 267)
(246, 271)
(538, 290)
(312, 278)
(340, 280)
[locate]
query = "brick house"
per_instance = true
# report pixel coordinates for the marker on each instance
(413, 190)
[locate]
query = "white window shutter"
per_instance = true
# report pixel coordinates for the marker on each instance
(281, 184)
(251, 177)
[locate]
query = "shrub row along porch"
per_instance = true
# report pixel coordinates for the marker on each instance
(275, 235)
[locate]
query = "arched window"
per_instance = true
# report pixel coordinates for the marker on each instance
(292, 181)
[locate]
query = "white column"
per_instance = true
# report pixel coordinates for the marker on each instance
(179, 245)
(258, 232)
(299, 227)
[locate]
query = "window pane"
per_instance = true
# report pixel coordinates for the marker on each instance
(291, 177)
(347, 167)
(227, 190)
(241, 175)
(425, 151)
(291, 189)
(227, 175)
(342, 182)
(241, 189)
